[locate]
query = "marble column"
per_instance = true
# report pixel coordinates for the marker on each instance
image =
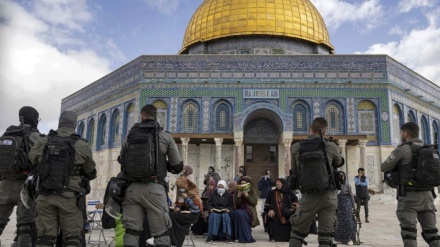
(342, 144)
(342, 151)
(287, 156)
(238, 156)
(184, 153)
(218, 153)
(362, 145)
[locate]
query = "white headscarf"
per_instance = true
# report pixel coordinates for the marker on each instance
(222, 182)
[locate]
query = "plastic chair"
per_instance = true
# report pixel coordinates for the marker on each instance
(188, 237)
(94, 212)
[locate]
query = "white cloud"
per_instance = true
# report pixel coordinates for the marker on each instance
(335, 12)
(34, 72)
(164, 6)
(408, 5)
(70, 14)
(419, 49)
(397, 30)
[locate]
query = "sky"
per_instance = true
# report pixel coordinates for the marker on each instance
(49, 49)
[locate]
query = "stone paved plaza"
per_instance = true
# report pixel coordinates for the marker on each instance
(383, 229)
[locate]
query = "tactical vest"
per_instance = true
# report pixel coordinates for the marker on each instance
(58, 163)
(139, 156)
(361, 191)
(14, 161)
(313, 173)
(414, 174)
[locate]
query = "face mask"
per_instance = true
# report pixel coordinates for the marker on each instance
(221, 191)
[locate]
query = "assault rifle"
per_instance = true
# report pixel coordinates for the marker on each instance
(334, 178)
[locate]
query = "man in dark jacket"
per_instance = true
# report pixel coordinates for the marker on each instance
(10, 185)
(264, 186)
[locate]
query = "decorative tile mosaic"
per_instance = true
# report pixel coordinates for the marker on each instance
(173, 114)
(350, 116)
(206, 114)
(293, 76)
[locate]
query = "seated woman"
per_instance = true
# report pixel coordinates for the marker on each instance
(244, 216)
(201, 225)
(219, 206)
(345, 232)
(187, 210)
(280, 204)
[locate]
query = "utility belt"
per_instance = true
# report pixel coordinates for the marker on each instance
(152, 179)
(402, 189)
(317, 191)
(409, 189)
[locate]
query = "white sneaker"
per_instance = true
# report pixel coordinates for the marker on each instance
(150, 241)
(350, 243)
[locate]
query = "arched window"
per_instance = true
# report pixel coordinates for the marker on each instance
(162, 113)
(102, 131)
(435, 132)
(334, 118)
(222, 117)
(91, 132)
(367, 117)
(190, 117)
(424, 130)
(300, 118)
(115, 129)
(411, 117)
(129, 118)
(80, 129)
(397, 123)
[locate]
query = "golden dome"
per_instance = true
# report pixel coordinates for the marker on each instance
(224, 18)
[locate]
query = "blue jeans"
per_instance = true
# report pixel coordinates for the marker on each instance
(215, 219)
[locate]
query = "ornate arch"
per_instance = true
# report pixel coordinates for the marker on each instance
(334, 114)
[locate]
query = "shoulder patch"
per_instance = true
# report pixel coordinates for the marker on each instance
(390, 158)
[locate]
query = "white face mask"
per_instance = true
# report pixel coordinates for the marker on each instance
(221, 191)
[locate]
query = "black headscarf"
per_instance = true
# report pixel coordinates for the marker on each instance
(30, 116)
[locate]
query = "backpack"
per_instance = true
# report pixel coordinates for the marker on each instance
(13, 156)
(423, 171)
(427, 165)
(139, 158)
(58, 163)
(313, 172)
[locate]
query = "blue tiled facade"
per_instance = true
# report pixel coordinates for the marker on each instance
(317, 80)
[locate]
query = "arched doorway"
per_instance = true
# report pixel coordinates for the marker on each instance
(261, 136)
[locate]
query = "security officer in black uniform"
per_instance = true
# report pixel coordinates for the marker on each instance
(149, 194)
(414, 203)
(321, 203)
(10, 185)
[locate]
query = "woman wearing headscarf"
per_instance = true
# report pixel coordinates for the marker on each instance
(241, 173)
(281, 203)
(202, 224)
(219, 206)
(211, 174)
(188, 206)
(345, 232)
(244, 216)
(187, 172)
